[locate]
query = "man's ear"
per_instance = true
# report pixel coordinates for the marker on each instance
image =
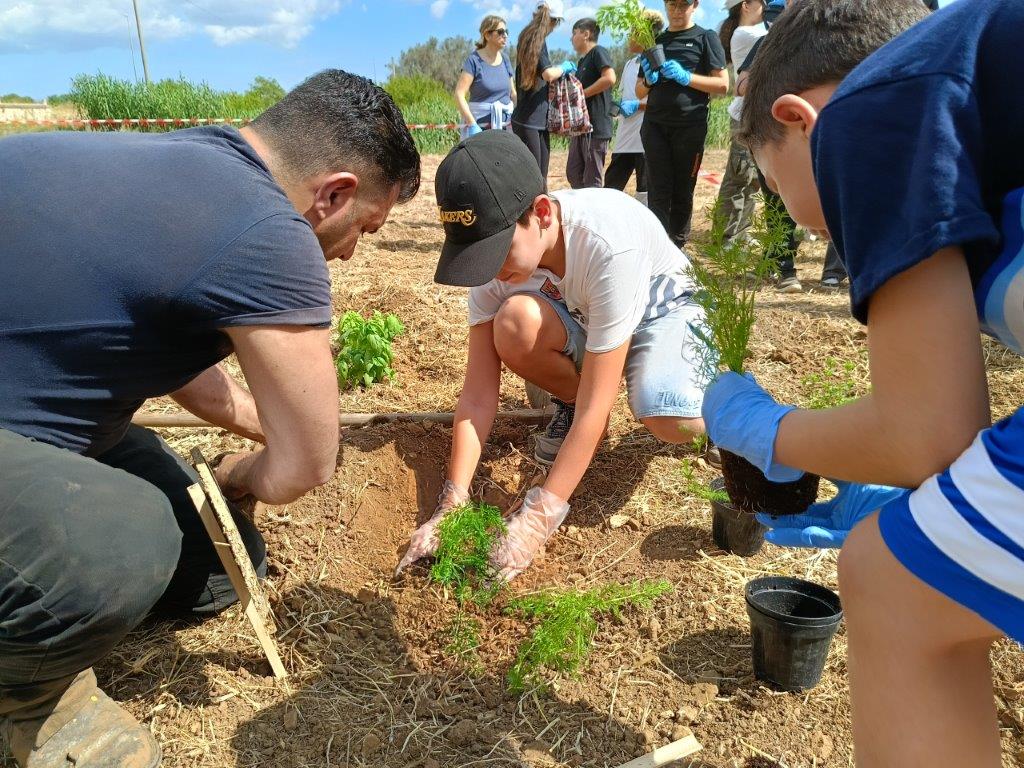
(336, 192)
(795, 112)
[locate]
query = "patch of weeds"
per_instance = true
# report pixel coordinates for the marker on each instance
(466, 536)
(366, 356)
(833, 386)
(699, 443)
(464, 640)
(697, 487)
(568, 622)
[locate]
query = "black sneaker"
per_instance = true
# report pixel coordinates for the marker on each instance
(546, 446)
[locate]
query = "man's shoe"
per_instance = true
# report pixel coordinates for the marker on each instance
(713, 456)
(546, 446)
(832, 282)
(78, 727)
(789, 285)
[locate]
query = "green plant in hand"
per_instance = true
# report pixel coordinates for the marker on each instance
(627, 20)
(366, 356)
(696, 487)
(568, 622)
(833, 386)
(465, 537)
(727, 276)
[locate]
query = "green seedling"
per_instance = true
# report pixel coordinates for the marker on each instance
(567, 625)
(366, 356)
(727, 276)
(464, 641)
(466, 536)
(833, 386)
(627, 20)
(698, 488)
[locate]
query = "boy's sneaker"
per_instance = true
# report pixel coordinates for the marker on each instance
(546, 446)
(713, 456)
(789, 285)
(831, 281)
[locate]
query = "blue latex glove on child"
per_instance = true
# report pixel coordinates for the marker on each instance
(742, 418)
(568, 68)
(827, 523)
(629, 107)
(670, 70)
(473, 129)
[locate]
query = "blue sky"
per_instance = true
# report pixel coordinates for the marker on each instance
(44, 43)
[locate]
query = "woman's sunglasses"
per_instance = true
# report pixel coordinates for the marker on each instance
(500, 32)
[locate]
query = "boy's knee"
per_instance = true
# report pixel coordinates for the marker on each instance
(517, 326)
(674, 429)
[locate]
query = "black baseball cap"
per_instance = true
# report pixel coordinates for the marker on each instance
(482, 188)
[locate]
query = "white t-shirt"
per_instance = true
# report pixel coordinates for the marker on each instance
(627, 137)
(742, 41)
(620, 269)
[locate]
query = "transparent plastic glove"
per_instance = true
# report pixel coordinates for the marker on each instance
(539, 517)
(744, 419)
(673, 70)
(650, 75)
(424, 541)
(473, 129)
(629, 107)
(568, 67)
(827, 523)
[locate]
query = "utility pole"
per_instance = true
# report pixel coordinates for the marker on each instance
(142, 44)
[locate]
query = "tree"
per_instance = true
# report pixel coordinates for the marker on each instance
(435, 59)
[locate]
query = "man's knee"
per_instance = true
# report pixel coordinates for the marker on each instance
(517, 327)
(674, 429)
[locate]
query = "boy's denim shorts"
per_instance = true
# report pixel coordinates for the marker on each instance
(663, 371)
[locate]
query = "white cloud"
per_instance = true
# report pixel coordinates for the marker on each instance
(438, 7)
(86, 24)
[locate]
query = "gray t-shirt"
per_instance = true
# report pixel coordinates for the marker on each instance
(491, 82)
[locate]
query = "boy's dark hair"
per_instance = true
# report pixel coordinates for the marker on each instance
(588, 25)
(339, 121)
(816, 42)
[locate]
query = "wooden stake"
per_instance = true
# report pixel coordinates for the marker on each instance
(182, 419)
(667, 754)
(216, 517)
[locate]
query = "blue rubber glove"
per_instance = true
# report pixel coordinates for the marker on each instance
(673, 70)
(827, 523)
(650, 76)
(629, 107)
(568, 68)
(742, 418)
(473, 129)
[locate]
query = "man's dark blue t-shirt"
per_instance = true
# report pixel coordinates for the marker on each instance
(920, 144)
(123, 257)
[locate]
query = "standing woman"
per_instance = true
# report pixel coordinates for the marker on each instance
(487, 79)
(533, 73)
(741, 29)
(676, 122)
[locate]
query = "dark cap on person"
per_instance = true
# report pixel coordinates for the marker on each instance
(482, 188)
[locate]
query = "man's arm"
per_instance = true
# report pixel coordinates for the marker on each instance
(292, 378)
(602, 84)
(217, 398)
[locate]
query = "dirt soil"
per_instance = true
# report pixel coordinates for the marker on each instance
(371, 683)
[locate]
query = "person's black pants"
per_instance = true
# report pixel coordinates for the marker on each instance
(539, 144)
(674, 154)
(622, 166)
(88, 547)
(785, 254)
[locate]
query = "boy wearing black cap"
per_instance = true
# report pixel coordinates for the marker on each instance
(569, 290)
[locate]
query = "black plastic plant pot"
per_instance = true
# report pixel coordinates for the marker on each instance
(750, 491)
(615, 110)
(655, 57)
(732, 530)
(792, 622)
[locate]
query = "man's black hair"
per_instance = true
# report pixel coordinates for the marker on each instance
(588, 25)
(338, 121)
(814, 43)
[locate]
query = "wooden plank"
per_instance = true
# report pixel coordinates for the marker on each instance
(666, 754)
(231, 566)
(183, 419)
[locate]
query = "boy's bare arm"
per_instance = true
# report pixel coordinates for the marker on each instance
(929, 395)
(717, 82)
(478, 403)
(602, 84)
(599, 386)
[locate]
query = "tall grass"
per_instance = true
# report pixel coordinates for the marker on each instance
(718, 124)
(424, 100)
